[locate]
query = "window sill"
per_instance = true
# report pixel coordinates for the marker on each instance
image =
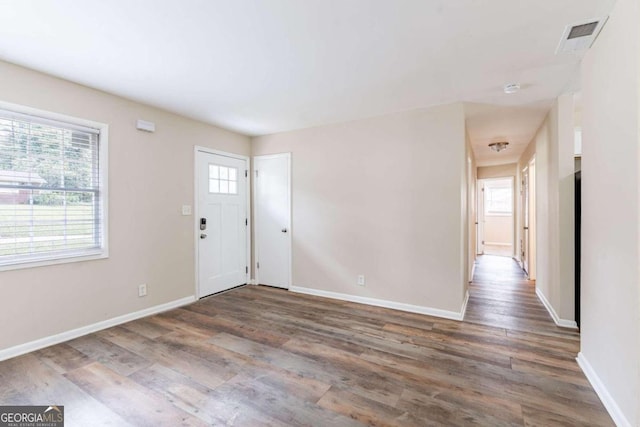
(62, 259)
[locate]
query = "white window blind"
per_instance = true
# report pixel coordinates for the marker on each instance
(51, 203)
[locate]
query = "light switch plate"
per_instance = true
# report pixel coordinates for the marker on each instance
(186, 210)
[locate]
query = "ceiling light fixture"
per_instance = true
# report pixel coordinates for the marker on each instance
(511, 87)
(498, 146)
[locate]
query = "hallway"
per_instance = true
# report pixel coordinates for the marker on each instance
(501, 296)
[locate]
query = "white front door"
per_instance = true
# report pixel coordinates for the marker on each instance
(272, 203)
(221, 228)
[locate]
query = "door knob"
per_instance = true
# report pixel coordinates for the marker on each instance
(284, 230)
(203, 236)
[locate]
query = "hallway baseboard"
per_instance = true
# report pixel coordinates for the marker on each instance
(602, 392)
(563, 323)
(429, 311)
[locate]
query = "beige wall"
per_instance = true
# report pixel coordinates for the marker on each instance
(565, 240)
(554, 201)
(380, 197)
(610, 208)
(500, 171)
(150, 177)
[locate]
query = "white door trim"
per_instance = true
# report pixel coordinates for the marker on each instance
(481, 200)
(533, 219)
(524, 249)
(480, 217)
(256, 230)
(196, 221)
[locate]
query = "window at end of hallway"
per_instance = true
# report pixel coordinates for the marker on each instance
(498, 199)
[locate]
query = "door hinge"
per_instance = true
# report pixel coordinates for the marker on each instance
(257, 265)
(246, 222)
(246, 173)
(256, 173)
(246, 270)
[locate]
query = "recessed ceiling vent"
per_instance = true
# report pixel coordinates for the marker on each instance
(579, 37)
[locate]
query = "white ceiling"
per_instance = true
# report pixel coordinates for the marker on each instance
(265, 66)
(517, 125)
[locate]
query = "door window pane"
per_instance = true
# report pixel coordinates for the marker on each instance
(223, 179)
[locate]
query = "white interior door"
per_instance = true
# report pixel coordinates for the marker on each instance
(221, 222)
(272, 204)
(531, 255)
(525, 220)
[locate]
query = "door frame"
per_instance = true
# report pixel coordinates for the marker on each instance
(530, 169)
(525, 209)
(196, 221)
(481, 212)
(533, 219)
(479, 217)
(256, 230)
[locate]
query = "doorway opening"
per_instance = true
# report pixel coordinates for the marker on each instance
(528, 220)
(496, 217)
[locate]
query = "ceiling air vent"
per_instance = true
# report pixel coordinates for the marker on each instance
(579, 37)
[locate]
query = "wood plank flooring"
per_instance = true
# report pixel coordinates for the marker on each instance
(499, 250)
(262, 356)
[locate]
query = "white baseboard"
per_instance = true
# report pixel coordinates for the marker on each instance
(563, 323)
(385, 303)
(612, 407)
(496, 244)
(38, 344)
(463, 310)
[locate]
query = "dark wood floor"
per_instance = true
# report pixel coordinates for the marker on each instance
(501, 296)
(262, 356)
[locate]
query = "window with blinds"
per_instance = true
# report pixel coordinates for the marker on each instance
(51, 199)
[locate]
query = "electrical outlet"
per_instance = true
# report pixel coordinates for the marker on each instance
(142, 290)
(361, 280)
